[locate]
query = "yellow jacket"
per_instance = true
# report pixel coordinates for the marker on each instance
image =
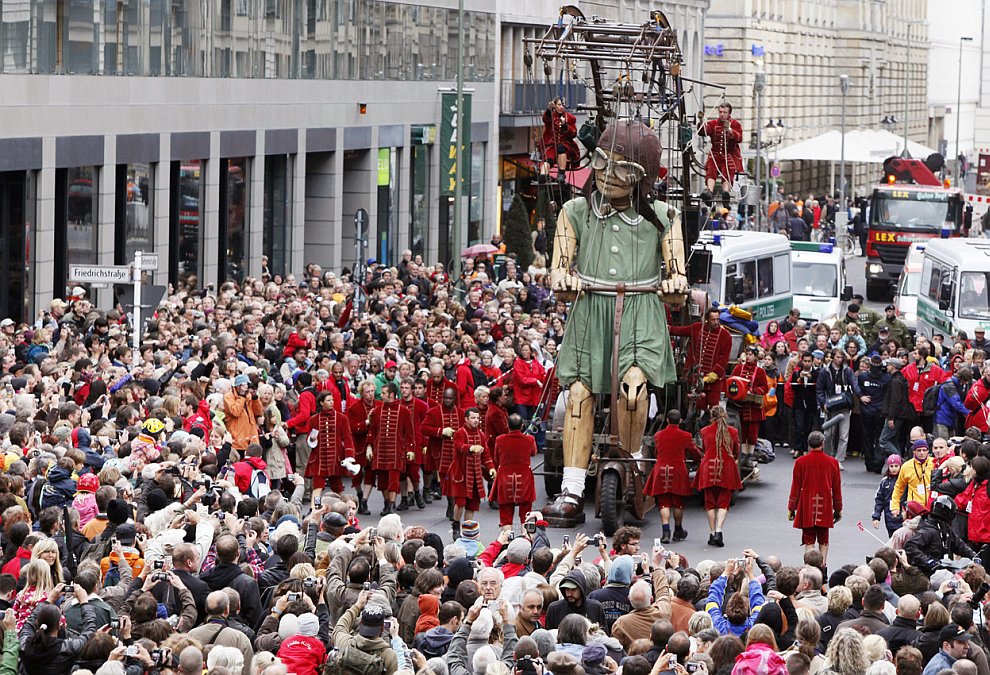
(914, 483)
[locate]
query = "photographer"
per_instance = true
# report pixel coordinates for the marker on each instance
(43, 651)
(242, 408)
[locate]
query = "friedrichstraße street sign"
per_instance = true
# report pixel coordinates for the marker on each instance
(100, 274)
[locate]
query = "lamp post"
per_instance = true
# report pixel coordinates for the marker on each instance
(907, 81)
(844, 88)
(955, 182)
(459, 159)
(759, 85)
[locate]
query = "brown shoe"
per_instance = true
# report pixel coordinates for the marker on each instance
(565, 511)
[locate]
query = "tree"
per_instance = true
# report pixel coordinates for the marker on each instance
(518, 233)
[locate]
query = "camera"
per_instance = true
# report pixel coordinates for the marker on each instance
(70, 589)
(114, 624)
(294, 596)
(741, 562)
(159, 564)
(309, 582)
(567, 540)
(512, 535)
(691, 667)
(367, 585)
(372, 532)
(596, 541)
(131, 651)
(159, 576)
(953, 585)
(208, 499)
(493, 606)
(530, 528)
(657, 544)
(156, 656)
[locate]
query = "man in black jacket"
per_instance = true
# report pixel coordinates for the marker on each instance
(897, 409)
(904, 629)
(834, 380)
(935, 539)
(228, 574)
(186, 561)
(804, 383)
(575, 601)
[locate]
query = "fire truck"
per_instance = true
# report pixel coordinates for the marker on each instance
(910, 205)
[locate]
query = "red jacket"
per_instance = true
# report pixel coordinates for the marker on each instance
(440, 450)
(791, 338)
(718, 464)
(465, 476)
(758, 384)
(292, 344)
(418, 409)
(303, 655)
(559, 130)
(358, 415)
(333, 444)
(465, 384)
(978, 401)
(201, 418)
(816, 490)
(496, 424)
(708, 350)
(391, 436)
(305, 409)
(528, 378)
(979, 511)
(514, 481)
(13, 567)
(434, 390)
(918, 383)
(341, 394)
(670, 475)
(243, 471)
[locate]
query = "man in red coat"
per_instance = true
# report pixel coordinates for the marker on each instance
(359, 415)
(751, 412)
(668, 482)
(708, 349)
(414, 459)
(441, 423)
(391, 437)
(514, 486)
(725, 159)
(333, 448)
(559, 132)
(437, 384)
(471, 457)
(496, 419)
(299, 422)
(815, 504)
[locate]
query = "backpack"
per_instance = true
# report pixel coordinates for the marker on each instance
(112, 577)
(260, 485)
(352, 661)
(929, 404)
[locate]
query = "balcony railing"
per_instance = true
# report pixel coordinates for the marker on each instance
(531, 98)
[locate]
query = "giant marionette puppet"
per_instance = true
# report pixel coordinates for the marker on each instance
(615, 234)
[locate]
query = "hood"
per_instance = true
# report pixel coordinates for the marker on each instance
(577, 576)
(429, 604)
(438, 637)
(57, 473)
(221, 576)
(257, 462)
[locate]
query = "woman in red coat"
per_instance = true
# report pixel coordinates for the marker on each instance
(333, 448)
(528, 378)
(514, 485)
(669, 483)
(559, 132)
(718, 474)
(975, 500)
(752, 414)
(467, 483)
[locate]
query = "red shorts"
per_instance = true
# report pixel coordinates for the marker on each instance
(724, 167)
(809, 535)
(717, 498)
(670, 501)
(750, 432)
(471, 504)
(387, 481)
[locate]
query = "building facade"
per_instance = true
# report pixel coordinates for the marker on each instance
(803, 46)
(220, 132)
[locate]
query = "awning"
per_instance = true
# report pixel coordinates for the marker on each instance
(867, 146)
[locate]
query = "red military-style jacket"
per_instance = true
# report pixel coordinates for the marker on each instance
(725, 145)
(718, 463)
(391, 436)
(816, 490)
(434, 390)
(496, 424)
(359, 416)
(758, 384)
(418, 408)
(514, 481)
(334, 442)
(440, 450)
(709, 350)
(670, 474)
(466, 478)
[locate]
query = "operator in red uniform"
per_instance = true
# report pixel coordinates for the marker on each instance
(415, 458)
(718, 474)
(751, 413)
(333, 448)
(496, 419)
(725, 159)
(557, 143)
(668, 482)
(815, 504)
(437, 384)
(707, 351)
(514, 485)
(359, 415)
(391, 437)
(439, 426)
(471, 457)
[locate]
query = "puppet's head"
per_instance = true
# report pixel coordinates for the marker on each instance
(628, 154)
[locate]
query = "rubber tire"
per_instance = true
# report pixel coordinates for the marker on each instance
(875, 292)
(613, 504)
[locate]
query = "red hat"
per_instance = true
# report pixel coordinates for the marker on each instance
(88, 482)
(913, 509)
(390, 364)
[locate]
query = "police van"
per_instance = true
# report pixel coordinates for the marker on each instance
(748, 269)
(955, 287)
(909, 287)
(818, 280)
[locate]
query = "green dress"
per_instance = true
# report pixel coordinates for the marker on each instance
(620, 247)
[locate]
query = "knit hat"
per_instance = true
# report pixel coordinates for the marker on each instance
(118, 511)
(892, 459)
(562, 663)
(914, 509)
(621, 571)
(818, 354)
(241, 380)
(919, 444)
(770, 615)
(470, 529)
(426, 558)
(288, 626)
(594, 653)
(157, 500)
(309, 625)
(518, 551)
(894, 361)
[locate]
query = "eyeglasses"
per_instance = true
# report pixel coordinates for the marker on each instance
(629, 173)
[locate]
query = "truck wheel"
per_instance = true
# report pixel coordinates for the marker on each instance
(613, 504)
(876, 292)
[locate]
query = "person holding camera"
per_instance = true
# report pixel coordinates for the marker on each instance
(815, 502)
(43, 650)
(216, 631)
(242, 408)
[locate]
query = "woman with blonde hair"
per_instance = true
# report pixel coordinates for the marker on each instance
(38, 588)
(718, 475)
(761, 653)
(846, 654)
(47, 551)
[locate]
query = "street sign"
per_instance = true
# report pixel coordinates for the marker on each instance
(100, 274)
(360, 220)
(149, 262)
(775, 171)
(152, 296)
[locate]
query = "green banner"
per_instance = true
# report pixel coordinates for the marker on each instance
(384, 166)
(450, 138)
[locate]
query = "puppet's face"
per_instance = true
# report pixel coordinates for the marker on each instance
(615, 177)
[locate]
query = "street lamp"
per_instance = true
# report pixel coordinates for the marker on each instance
(760, 84)
(955, 183)
(907, 81)
(844, 88)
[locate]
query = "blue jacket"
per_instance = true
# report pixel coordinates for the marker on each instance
(60, 488)
(881, 503)
(950, 404)
(713, 606)
(941, 661)
(874, 386)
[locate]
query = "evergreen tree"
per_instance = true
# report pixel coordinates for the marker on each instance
(544, 211)
(518, 233)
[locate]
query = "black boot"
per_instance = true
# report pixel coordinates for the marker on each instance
(450, 509)
(420, 500)
(455, 529)
(725, 200)
(680, 534)
(388, 508)
(712, 539)
(403, 504)
(665, 537)
(363, 506)
(718, 540)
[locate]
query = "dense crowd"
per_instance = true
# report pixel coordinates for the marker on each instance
(203, 502)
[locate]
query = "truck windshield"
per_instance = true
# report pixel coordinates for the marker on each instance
(714, 286)
(912, 213)
(974, 295)
(820, 280)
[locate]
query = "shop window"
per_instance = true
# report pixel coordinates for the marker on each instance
(134, 223)
(186, 223)
(277, 209)
(234, 182)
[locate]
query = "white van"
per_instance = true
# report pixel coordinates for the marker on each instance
(955, 287)
(818, 280)
(909, 286)
(749, 269)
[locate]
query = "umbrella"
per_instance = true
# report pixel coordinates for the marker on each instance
(478, 249)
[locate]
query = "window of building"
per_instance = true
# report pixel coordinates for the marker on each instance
(234, 209)
(277, 209)
(134, 224)
(76, 220)
(188, 189)
(419, 207)
(476, 204)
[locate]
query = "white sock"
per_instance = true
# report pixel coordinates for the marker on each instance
(573, 480)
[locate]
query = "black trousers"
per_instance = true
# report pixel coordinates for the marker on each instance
(804, 421)
(872, 452)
